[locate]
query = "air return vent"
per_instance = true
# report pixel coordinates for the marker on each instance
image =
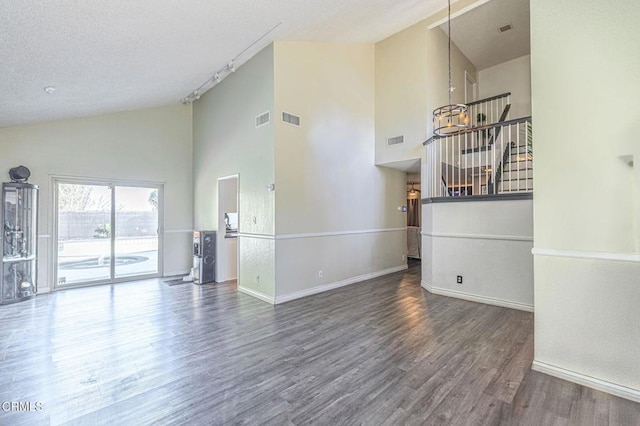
(505, 28)
(288, 118)
(263, 119)
(396, 140)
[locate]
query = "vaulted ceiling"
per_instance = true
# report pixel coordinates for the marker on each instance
(477, 33)
(105, 56)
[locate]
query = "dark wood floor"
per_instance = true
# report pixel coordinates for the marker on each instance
(380, 352)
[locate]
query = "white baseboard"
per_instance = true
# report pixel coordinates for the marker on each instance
(43, 290)
(176, 273)
(476, 298)
(257, 295)
(588, 381)
(331, 286)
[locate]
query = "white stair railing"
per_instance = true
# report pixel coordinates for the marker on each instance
(488, 111)
(486, 160)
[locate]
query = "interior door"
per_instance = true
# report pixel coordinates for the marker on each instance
(470, 88)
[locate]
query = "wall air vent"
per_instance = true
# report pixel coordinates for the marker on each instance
(396, 140)
(291, 119)
(505, 28)
(263, 119)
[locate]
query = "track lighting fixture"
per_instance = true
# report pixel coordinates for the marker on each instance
(217, 77)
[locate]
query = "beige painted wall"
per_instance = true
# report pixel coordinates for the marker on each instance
(585, 90)
(401, 67)
(488, 243)
(411, 77)
(226, 142)
(150, 145)
(512, 76)
(437, 89)
(328, 190)
(325, 181)
(325, 176)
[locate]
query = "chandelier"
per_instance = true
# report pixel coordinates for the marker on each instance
(453, 118)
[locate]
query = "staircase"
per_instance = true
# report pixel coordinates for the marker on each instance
(494, 158)
(516, 170)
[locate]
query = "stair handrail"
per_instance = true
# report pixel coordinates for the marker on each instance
(505, 157)
(494, 137)
(507, 152)
(445, 186)
(475, 129)
(489, 99)
(504, 114)
(443, 152)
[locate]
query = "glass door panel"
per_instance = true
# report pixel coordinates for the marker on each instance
(136, 231)
(84, 233)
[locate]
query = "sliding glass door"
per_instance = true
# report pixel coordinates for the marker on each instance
(136, 231)
(106, 232)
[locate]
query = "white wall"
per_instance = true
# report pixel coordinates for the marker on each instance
(226, 142)
(151, 145)
(585, 91)
(488, 243)
(401, 64)
(411, 80)
(512, 76)
(335, 210)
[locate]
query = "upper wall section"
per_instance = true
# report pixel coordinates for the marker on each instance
(411, 80)
(149, 145)
(326, 180)
(512, 76)
(585, 103)
(227, 142)
(401, 94)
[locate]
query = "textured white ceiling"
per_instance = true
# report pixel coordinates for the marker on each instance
(105, 56)
(476, 32)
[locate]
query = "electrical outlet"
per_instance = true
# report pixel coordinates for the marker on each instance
(404, 257)
(320, 273)
(459, 279)
(257, 279)
(255, 220)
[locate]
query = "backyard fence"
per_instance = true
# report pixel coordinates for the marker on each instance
(89, 225)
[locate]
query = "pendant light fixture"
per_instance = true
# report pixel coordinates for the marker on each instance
(453, 118)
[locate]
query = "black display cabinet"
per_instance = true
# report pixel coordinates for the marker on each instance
(19, 242)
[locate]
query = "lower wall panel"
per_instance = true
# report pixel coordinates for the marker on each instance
(486, 242)
(492, 269)
(587, 318)
(178, 249)
(257, 261)
(341, 258)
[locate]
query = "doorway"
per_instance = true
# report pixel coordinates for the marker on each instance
(414, 216)
(227, 236)
(470, 88)
(106, 232)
